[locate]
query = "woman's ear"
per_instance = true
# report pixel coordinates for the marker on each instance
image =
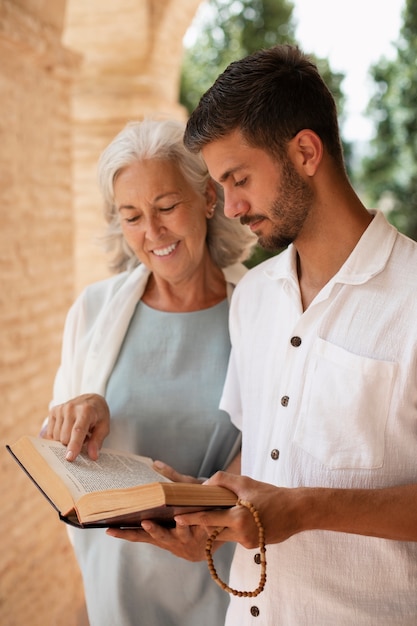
(306, 149)
(211, 198)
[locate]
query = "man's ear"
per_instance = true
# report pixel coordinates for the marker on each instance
(306, 150)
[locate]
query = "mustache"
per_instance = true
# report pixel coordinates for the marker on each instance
(245, 220)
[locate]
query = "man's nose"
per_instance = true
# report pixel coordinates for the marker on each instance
(233, 206)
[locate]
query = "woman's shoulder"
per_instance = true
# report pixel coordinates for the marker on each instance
(99, 293)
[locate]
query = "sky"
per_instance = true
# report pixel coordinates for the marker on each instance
(353, 35)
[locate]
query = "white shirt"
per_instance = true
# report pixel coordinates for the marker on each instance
(336, 409)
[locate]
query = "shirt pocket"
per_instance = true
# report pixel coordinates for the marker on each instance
(345, 408)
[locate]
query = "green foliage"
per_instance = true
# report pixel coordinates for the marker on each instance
(258, 255)
(231, 29)
(390, 171)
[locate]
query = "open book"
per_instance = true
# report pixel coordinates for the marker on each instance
(118, 490)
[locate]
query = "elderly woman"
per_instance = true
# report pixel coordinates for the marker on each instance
(144, 357)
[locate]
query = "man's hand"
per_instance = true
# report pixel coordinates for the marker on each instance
(388, 513)
(277, 508)
(82, 420)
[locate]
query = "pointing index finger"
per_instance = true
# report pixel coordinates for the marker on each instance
(79, 434)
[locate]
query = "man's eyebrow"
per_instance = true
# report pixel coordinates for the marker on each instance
(228, 173)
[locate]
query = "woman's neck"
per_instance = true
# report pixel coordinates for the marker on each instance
(204, 289)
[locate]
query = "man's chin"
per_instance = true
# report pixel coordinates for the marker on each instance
(272, 244)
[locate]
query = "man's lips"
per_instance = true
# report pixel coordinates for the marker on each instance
(253, 222)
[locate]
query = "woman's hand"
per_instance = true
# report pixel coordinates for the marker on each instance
(176, 477)
(187, 542)
(82, 420)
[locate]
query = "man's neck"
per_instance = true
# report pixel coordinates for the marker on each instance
(321, 256)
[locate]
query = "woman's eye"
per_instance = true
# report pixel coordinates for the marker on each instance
(132, 220)
(168, 208)
(240, 183)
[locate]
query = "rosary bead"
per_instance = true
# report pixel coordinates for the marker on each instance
(262, 548)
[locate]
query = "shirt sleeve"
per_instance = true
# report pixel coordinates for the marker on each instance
(67, 379)
(230, 400)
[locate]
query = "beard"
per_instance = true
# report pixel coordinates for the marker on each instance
(288, 211)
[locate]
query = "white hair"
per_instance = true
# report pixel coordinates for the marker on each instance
(228, 241)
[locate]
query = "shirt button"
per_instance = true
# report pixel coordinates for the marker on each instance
(285, 400)
(275, 454)
(254, 611)
(295, 341)
(257, 558)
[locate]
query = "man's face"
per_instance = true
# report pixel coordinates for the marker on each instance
(267, 195)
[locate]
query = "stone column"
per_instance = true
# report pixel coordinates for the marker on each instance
(36, 270)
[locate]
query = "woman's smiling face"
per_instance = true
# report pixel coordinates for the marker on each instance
(163, 218)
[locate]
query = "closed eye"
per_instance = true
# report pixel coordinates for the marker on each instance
(168, 208)
(131, 220)
(240, 183)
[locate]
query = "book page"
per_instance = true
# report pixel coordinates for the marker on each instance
(112, 470)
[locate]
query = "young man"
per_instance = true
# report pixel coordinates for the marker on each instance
(322, 378)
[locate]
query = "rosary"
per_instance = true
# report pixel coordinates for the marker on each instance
(261, 539)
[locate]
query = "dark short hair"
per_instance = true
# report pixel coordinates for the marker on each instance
(269, 96)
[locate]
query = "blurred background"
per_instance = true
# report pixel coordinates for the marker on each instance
(72, 73)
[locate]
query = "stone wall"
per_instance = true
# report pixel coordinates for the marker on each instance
(131, 55)
(71, 75)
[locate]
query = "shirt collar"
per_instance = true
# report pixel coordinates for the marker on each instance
(367, 259)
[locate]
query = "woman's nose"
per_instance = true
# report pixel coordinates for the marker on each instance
(154, 226)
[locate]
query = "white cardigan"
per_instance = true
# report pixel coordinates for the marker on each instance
(95, 328)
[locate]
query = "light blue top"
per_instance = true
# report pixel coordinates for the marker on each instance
(163, 394)
(173, 366)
